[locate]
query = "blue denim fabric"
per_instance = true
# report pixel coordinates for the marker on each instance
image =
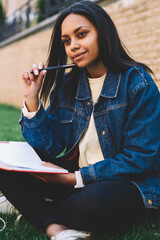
(127, 118)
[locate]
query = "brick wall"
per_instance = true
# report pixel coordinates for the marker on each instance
(16, 58)
(138, 23)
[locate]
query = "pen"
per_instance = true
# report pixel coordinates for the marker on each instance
(56, 67)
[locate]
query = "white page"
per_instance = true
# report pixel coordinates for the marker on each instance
(22, 155)
(40, 169)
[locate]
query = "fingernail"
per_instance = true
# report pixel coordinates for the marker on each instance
(43, 163)
(34, 65)
(40, 66)
(44, 72)
(36, 72)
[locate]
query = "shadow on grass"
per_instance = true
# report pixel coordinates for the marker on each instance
(148, 229)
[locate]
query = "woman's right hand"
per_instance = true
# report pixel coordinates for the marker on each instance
(31, 84)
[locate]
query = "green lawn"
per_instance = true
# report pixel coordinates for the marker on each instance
(10, 131)
(9, 127)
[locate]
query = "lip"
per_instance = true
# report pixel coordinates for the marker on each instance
(78, 55)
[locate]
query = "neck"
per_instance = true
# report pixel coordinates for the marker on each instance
(97, 70)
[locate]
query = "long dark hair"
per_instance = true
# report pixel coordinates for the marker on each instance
(112, 52)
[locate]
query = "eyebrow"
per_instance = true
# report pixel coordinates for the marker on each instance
(77, 29)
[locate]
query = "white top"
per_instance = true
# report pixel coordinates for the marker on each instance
(89, 147)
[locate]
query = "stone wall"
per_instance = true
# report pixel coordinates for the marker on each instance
(138, 23)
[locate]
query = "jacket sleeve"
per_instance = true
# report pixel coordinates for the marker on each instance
(141, 140)
(43, 133)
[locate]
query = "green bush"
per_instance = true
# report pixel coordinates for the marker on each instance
(41, 10)
(2, 13)
(41, 7)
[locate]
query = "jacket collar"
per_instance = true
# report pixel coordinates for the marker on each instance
(109, 89)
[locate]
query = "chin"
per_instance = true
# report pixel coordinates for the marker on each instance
(81, 64)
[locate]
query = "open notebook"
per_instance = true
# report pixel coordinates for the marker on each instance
(21, 157)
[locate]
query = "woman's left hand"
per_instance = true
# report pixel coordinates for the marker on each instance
(62, 178)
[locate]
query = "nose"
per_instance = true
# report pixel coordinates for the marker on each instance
(74, 45)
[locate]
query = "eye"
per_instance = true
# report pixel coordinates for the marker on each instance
(66, 41)
(82, 34)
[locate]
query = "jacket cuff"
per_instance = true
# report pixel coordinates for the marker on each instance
(35, 121)
(88, 174)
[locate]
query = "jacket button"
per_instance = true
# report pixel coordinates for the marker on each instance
(89, 103)
(103, 132)
(150, 202)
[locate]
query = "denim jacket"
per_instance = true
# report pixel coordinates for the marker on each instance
(127, 119)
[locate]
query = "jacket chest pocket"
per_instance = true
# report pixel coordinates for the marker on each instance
(65, 115)
(66, 123)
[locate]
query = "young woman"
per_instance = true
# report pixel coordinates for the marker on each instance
(102, 125)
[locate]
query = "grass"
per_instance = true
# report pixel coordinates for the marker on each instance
(9, 127)
(23, 230)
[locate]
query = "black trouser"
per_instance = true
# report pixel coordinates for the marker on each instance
(97, 206)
